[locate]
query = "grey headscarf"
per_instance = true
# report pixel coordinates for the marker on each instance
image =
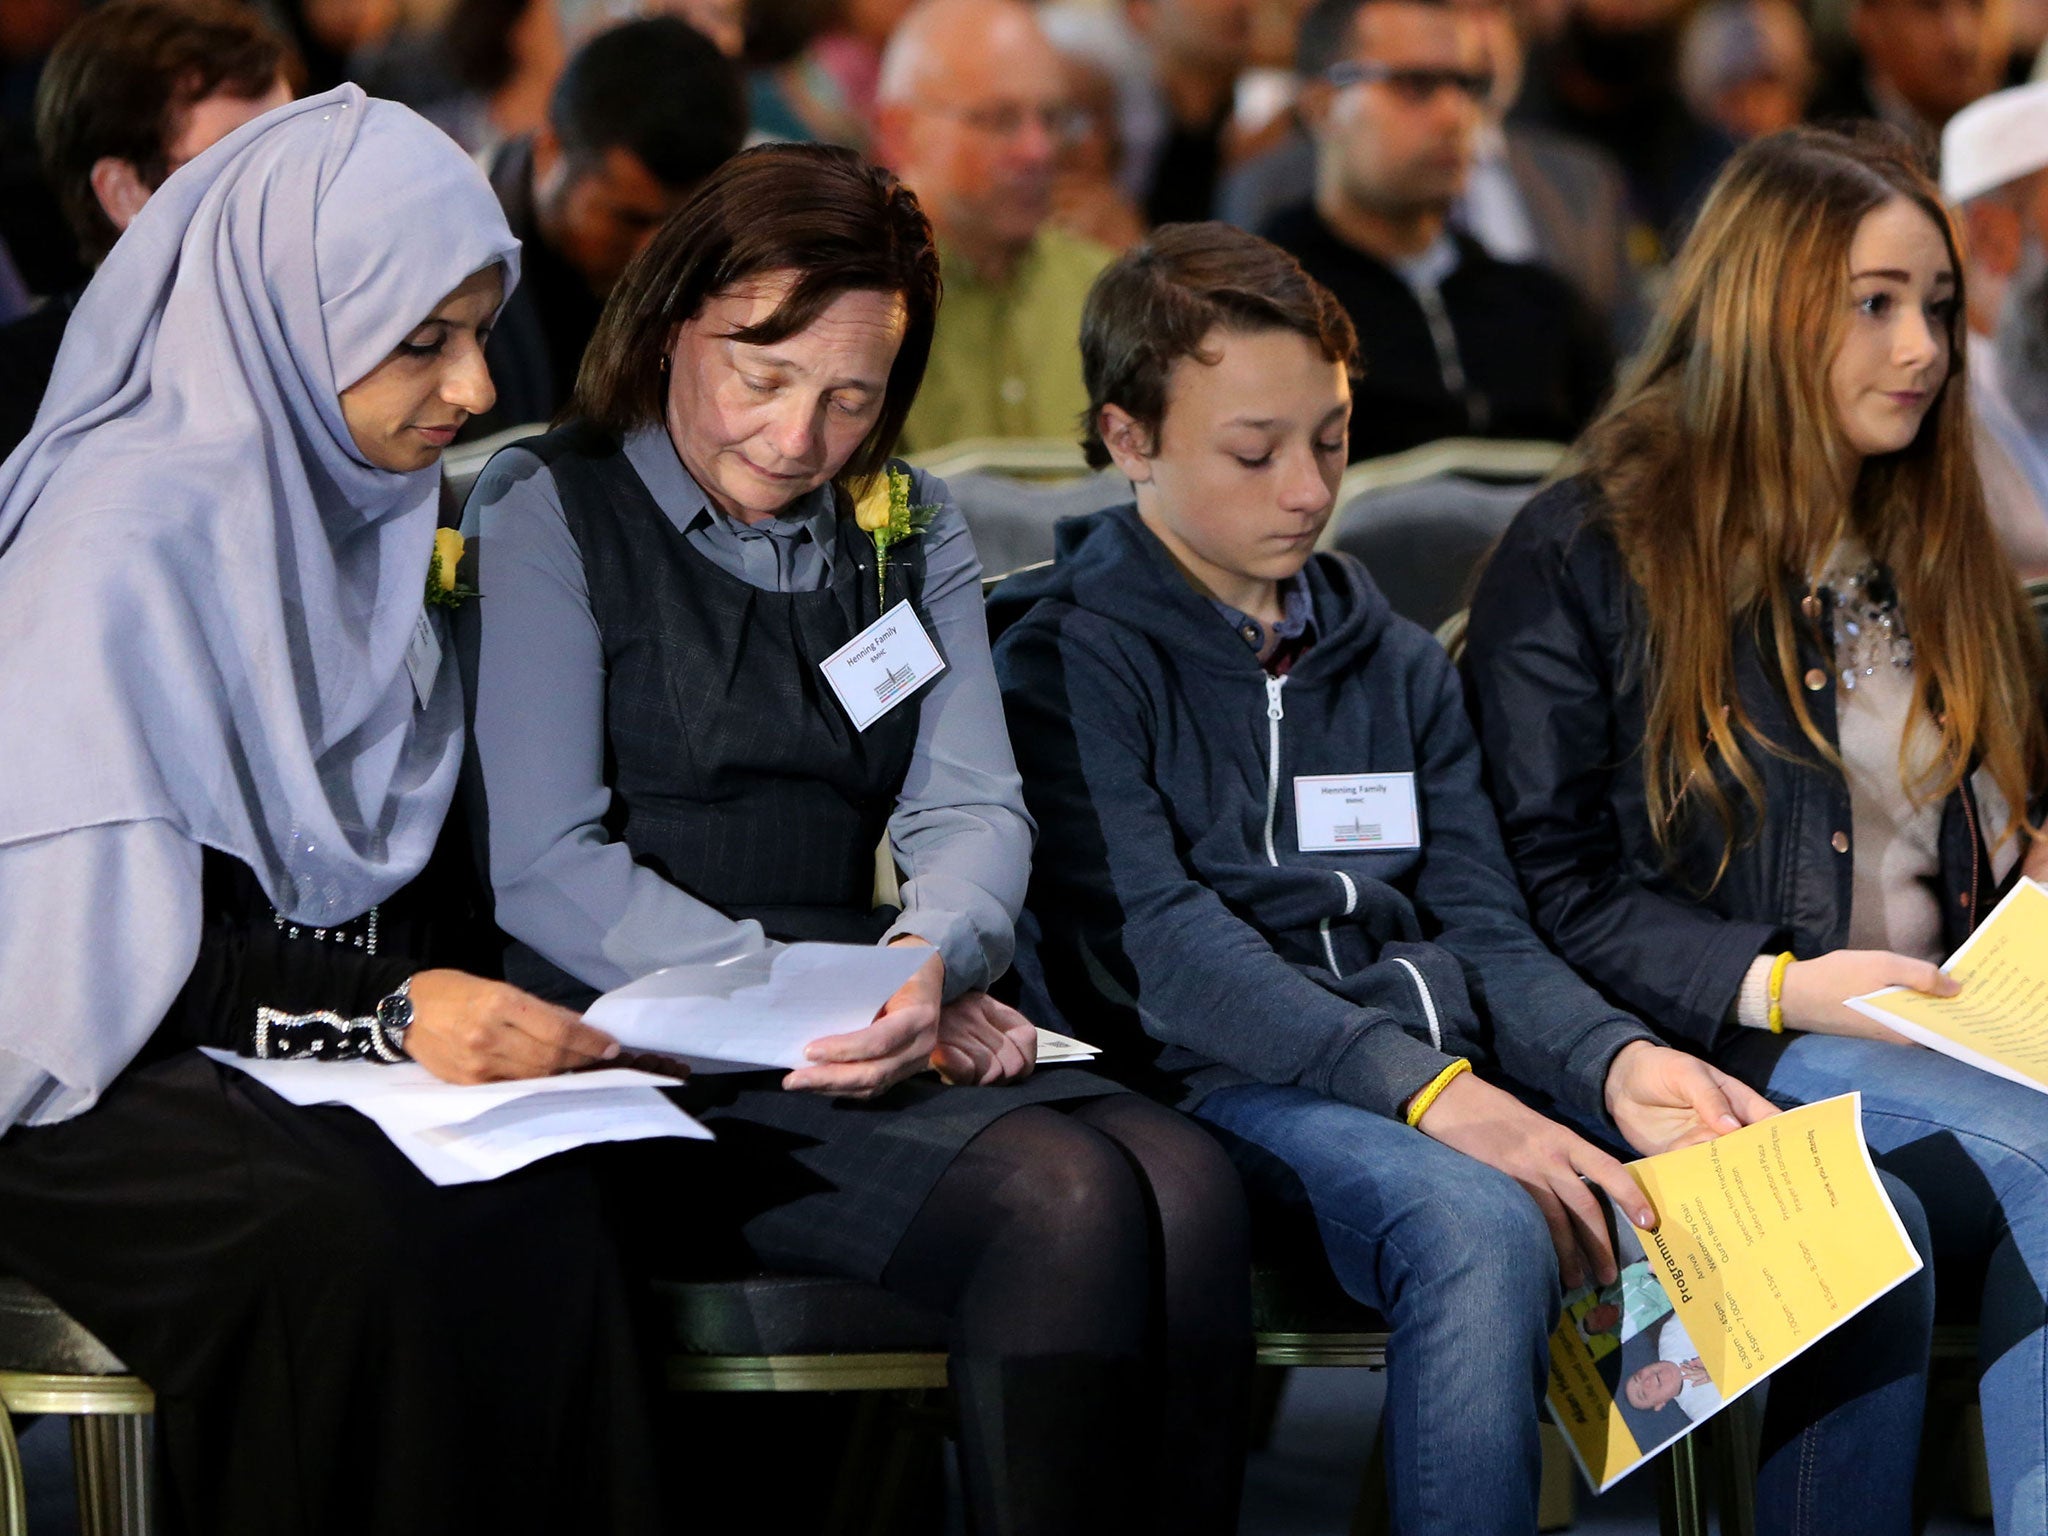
(206, 592)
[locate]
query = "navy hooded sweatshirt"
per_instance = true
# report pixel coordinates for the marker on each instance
(1172, 918)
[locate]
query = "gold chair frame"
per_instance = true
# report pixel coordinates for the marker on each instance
(110, 1448)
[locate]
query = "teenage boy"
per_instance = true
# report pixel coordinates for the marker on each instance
(1269, 882)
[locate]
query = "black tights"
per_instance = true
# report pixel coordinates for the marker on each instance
(1094, 1264)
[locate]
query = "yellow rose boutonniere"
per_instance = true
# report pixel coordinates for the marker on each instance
(883, 512)
(444, 586)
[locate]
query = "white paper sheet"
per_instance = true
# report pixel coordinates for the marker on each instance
(521, 1131)
(457, 1134)
(758, 1010)
(411, 1096)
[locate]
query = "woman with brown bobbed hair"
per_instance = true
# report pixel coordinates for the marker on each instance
(673, 572)
(1761, 701)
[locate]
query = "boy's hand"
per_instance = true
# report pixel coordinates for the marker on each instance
(1548, 1161)
(1661, 1099)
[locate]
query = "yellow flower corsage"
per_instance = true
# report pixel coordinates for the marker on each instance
(444, 586)
(883, 512)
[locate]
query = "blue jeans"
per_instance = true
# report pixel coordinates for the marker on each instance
(1455, 1255)
(1974, 1149)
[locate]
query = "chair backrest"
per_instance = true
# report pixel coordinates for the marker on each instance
(461, 465)
(1012, 521)
(1018, 458)
(1423, 542)
(1498, 461)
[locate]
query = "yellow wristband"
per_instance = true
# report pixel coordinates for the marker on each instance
(1776, 992)
(1419, 1105)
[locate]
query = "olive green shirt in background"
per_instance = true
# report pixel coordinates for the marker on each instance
(1006, 360)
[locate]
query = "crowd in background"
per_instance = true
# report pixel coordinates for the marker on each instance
(1494, 208)
(1572, 221)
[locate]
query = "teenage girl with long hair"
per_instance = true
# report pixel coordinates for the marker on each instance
(1761, 701)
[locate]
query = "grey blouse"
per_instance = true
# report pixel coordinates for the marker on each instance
(959, 831)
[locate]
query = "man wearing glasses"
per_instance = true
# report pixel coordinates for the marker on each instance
(973, 113)
(1455, 342)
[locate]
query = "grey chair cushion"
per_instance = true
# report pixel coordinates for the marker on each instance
(38, 1335)
(1422, 542)
(461, 465)
(1012, 520)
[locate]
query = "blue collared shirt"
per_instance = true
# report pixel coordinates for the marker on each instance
(790, 552)
(1297, 619)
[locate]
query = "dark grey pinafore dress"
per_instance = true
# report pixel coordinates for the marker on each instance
(736, 775)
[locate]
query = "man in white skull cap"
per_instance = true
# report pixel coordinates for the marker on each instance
(1994, 170)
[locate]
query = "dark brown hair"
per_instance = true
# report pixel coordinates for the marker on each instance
(1156, 304)
(116, 82)
(839, 223)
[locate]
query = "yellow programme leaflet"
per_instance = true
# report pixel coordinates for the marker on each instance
(1999, 1021)
(1768, 1238)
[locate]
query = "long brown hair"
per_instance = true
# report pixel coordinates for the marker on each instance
(840, 224)
(1722, 462)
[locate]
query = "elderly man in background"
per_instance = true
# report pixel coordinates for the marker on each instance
(973, 109)
(1456, 343)
(1178, 67)
(134, 90)
(1994, 169)
(643, 113)
(1746, 66)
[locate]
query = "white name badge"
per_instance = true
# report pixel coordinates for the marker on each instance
(423, 657)
(1349, 813)
(882, 665)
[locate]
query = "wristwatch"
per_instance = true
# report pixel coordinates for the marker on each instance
(393, 1020)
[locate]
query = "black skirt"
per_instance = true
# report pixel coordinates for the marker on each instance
(337, 1344)
(830, 1185)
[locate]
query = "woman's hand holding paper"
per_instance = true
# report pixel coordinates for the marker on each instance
(1661, 1099)
(468, 1030)
(897, 1045)
(984, 1041)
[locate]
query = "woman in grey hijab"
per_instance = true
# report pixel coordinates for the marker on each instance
(230, 749)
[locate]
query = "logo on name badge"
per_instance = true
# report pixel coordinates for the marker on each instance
(882, 665)
(895, 683)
